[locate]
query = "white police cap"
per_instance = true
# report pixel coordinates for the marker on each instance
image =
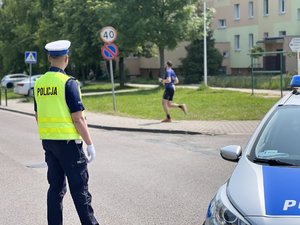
(58, 48)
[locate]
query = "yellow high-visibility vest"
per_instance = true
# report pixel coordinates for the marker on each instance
(54, 117)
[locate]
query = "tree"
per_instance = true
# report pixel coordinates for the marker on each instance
(47, 29)
(132, 32)
(167, 23)
(143, 24)
(38, 22)
(17, 27)
(192, 65)
(81, 25)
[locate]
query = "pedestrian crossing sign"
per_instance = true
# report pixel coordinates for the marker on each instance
(30, 57)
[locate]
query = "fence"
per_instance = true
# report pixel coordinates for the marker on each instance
(3, 91)
(272, 64)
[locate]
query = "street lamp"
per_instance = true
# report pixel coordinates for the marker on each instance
(204, 43)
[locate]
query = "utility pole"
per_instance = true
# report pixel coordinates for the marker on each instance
(205, 44)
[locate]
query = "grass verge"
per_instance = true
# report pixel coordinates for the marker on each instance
(203, 104)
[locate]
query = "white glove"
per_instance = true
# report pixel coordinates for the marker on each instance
(91, 152)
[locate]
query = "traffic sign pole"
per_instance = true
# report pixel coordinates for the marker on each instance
(110, 51)
(30, 74)
(30, 58)
(112, 84)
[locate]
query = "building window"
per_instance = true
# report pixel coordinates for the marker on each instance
(222, 23)
(236, 11)
(225, 54)
(298, 14)
(266, 7)
(237, 43)
(250, 9)
(282, 6)
(251, 41)
(266, 34)
(282, 33)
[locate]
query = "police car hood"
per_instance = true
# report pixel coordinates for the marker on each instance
(265, 191)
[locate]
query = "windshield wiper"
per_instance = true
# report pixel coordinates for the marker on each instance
(273, 162)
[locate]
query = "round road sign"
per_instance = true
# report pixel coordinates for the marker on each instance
(109, 51)
(108, 34)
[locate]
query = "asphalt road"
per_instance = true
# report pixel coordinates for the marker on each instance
(136, 179)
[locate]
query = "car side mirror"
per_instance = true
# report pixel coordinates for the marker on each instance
(231, 153)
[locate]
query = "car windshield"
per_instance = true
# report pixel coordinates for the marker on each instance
(279, 141)
(34, 77)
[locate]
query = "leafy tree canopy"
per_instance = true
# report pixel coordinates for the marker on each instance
(193, 64)
(142, 25)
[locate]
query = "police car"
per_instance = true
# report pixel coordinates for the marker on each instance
(264, 188)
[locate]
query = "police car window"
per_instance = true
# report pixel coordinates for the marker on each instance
(281, 136)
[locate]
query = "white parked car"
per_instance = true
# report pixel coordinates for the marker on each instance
(9, 80)
(25, 87)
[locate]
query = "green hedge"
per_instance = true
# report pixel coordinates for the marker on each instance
(259, 81)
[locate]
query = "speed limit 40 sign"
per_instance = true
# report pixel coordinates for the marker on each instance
(108, 34)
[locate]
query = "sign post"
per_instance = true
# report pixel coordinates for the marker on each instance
(295, 47)
(110, 51)
(30, 58)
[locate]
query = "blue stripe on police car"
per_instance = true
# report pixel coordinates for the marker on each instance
(282, 190)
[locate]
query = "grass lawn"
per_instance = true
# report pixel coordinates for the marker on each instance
(206, 104)
(203, 104)
(10, 94)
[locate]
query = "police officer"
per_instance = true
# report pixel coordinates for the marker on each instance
(62, 126)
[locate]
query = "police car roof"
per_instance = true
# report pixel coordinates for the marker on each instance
(293, 98)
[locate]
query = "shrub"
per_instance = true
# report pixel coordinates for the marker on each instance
(259, 82)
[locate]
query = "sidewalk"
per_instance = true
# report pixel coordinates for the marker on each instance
(109, 122)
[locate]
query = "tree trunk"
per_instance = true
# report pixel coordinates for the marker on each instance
(121, 72)
(82, 72)
(161, 61)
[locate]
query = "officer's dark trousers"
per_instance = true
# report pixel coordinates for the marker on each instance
(67, 159)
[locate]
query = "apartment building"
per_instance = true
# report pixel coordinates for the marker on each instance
(238, 26)
(241, 24)
(149, 67)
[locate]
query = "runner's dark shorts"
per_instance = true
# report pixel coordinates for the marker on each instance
(168, 94)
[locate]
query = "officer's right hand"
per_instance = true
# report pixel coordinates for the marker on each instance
(91, 152)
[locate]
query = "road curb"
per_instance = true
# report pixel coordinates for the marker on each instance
(16, 111)
(146, 130)
(128, 129)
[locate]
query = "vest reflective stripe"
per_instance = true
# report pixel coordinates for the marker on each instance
(54, 118)
(55, 130)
